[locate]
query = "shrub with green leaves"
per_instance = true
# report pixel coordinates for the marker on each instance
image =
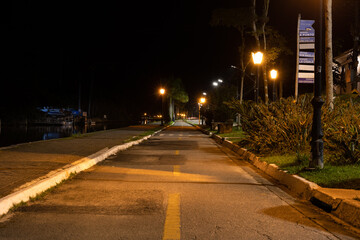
(285, 126)
(341, 129)
(281, 126)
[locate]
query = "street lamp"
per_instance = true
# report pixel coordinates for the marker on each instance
(257, 59)
(317, 144)
(162, 93)
(201, 101)
(273, 75)
(216, 83)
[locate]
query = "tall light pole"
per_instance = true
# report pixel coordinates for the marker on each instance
(317, 144)
(257, 59)
(239, 97)
(162, 93)
(201, 101)
(273, 75)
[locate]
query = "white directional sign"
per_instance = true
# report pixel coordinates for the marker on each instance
(307, 46)
(306, 67)
(306, 75)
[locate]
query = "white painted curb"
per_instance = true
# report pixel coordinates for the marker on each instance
(37, 186)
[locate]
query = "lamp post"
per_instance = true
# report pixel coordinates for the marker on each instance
(239, 97)
(201, 101)
(162, 93)
(273, 75)
(317, 144)
(257, 59)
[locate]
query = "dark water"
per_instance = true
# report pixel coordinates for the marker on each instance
(10, 135)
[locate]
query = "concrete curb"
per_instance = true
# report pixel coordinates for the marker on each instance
(347, 209)
(39, 185)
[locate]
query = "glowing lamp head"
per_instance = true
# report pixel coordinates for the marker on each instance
(257, 57)
(273, 74)
(215, 84)
(162, 91)
(202, 100)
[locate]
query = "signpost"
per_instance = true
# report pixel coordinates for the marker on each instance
(306, 42)
(305, 64)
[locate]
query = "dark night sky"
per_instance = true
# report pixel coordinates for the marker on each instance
(124, 50)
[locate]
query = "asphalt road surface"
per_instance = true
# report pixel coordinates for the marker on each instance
(178, 185)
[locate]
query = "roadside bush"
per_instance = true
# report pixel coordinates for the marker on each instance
(281, 126)
(285, 126)
(341, 129)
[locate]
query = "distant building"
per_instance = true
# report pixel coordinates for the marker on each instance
(342, 73)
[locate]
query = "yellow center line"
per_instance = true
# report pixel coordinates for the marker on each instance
(172, 221)
(176, 171)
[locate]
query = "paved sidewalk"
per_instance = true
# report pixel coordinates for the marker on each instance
(343, 203)
(23, 163)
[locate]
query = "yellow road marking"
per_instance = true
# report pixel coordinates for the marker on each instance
(172, 221)
(177, 152)
(146, 172)
(176, 171)
(180, 138)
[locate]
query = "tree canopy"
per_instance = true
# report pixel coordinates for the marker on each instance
(177, 90)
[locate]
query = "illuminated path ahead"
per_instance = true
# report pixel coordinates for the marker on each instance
(178, 185)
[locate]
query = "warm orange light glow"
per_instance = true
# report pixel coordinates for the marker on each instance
(162, 91)
(257, 57)
(273, 74)
(202, 100)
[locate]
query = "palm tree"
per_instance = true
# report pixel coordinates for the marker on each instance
(328, 54)
(264, 20)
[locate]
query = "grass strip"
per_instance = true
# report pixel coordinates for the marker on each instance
(331, 176)
(134, 138)
(235, 136)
